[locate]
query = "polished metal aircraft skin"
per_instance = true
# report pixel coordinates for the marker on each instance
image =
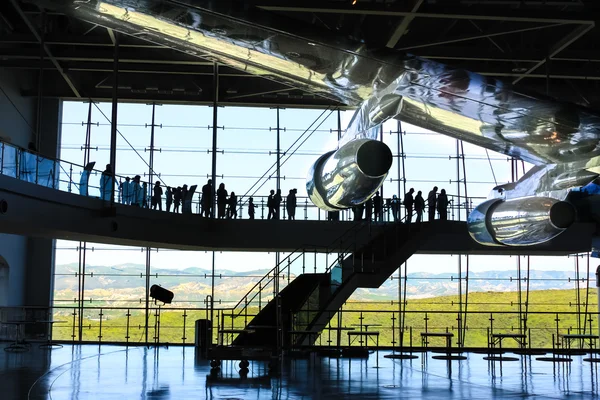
(560, 139)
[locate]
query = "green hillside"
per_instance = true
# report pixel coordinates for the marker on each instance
(485, 310)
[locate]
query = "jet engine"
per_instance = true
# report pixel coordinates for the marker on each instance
(349, 176)
(522, 221)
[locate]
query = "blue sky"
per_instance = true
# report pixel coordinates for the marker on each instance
(247, 147)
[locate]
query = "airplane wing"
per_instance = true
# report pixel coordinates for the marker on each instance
(385, 83)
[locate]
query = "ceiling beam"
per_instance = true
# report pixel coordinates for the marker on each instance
(556, 18)
(78, 41)
(113, 39)
(402, 27)
(558, 47)
(46, 49)
(481, 36)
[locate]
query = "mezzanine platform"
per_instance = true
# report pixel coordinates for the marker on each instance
(35, 210)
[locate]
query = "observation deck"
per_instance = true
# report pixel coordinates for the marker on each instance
(36, 210)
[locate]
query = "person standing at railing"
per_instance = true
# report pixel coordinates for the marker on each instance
(419, 206)
(157, 197)
(442, 205)
(369, 210)
(378, 207)
(136, 192)
(221, 201)
(271, 213)
(251, 208)
(432, 203)
(107, 183)
(395, 206)
(277, 204)
(145, 195)
(207, 199)
(291, 204)
(177, 198)
(125, 190)
(169, 196)
(232, 206)
(409, 202)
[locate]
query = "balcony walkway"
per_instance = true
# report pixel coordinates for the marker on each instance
(39, 211)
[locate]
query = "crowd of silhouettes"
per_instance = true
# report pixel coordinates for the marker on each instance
(373, 209)
(134, 192)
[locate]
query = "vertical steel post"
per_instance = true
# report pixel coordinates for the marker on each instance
(151, 163)
(401, 166)
(113, 122)
(38, 130)
(598, 294)
(464, 178)
(458, 179)
(212, 292)
(278, 153)
(147, 308)
(381, 188)
(214, 138)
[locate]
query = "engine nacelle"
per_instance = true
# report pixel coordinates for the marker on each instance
(519, 222)
(349, 176)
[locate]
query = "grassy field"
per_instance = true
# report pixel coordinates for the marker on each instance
(549, 312)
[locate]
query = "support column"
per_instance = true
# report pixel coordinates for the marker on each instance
(38, 131)
(278, 152)
(214, 138)
(113, 122)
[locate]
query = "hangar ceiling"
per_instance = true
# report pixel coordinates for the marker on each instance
(550, 47)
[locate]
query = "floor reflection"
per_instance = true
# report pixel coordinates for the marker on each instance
(113, 372)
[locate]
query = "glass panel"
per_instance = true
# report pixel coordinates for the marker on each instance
(28, 166)
(9, 161)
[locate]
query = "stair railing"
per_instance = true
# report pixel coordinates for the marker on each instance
(256, 292)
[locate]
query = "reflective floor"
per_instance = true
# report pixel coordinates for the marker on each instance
(113, 372)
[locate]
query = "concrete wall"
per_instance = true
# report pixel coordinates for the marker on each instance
(30, 260)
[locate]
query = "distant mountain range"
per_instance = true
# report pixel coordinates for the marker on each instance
(127, 283)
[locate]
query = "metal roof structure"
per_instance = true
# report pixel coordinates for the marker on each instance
(549, 47)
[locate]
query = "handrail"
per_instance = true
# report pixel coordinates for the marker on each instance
(270, 276)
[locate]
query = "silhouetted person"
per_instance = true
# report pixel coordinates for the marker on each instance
(409, 201)
(395, 206)
(177, 199)
(157, 197)
(251, 208)
(107, 183)
(232, 206)
(442, 205)
(270, 206)
(290, 204)
(120, 198)
(207, 199)
(126, 191)
(137, 194)
(132, 189)
(358, 212)
(378, 207)
(145, 195)
(184, 192)
(419, 206)
(221, 200)
(334, 215)
(169, 198)
(369, 210)
(432, 203)
(277, 204)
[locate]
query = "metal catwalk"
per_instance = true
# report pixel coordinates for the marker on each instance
(110, 372)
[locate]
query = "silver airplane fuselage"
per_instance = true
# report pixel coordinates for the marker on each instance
(560, 139)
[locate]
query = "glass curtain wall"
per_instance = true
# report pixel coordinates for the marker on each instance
(101, 291)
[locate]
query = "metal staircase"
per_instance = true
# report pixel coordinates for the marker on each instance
(296, 315)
